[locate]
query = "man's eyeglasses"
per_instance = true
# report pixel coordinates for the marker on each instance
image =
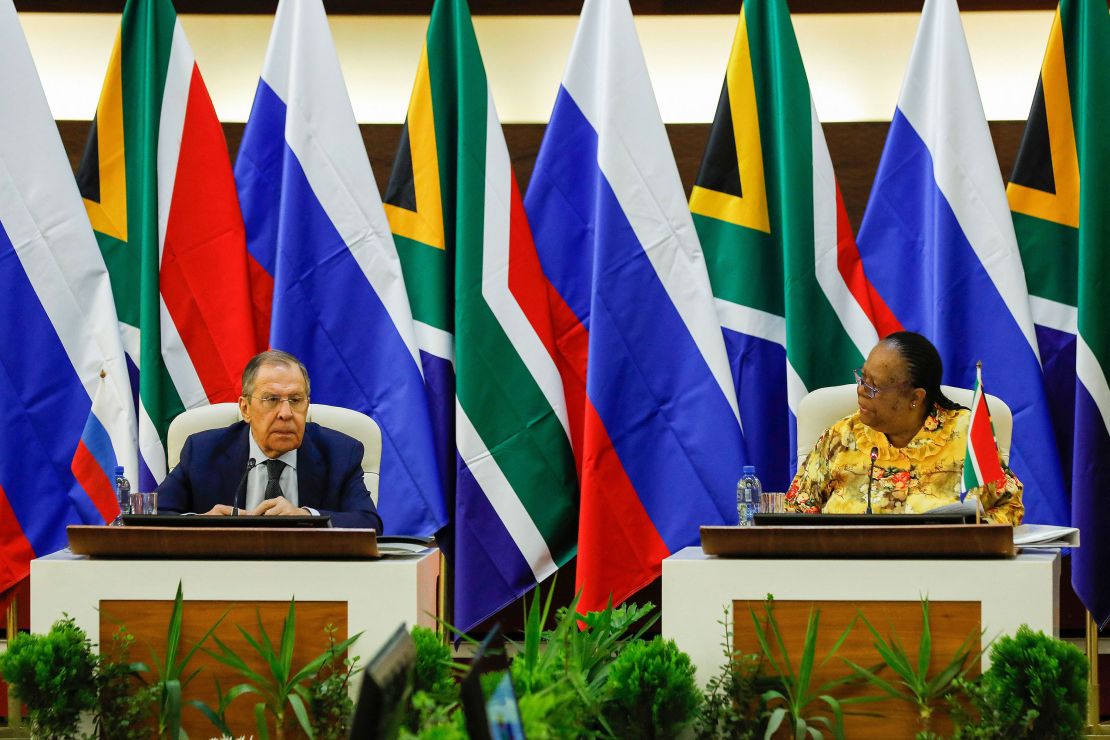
(269, 403)
(871, 391)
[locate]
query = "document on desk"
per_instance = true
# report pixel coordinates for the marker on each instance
(1045, 535)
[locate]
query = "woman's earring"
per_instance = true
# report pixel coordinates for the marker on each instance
(913, 404)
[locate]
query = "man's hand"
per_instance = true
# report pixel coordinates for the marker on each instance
(279, 506)
(220, 510)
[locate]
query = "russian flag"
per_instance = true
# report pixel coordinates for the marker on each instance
(659, 450)
(938, 243)
(315, 222)
(59, 340)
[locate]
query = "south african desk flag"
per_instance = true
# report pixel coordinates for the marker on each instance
(981, 463)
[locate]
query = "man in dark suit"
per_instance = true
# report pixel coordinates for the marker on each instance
(302, 468)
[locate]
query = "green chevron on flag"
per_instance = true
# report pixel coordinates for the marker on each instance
(157, 185)
(479, 299)
(796, 310)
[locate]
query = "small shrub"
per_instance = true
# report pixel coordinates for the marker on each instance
(54, 675)
(328, 691)
(1036, 687)
(434, 672)
(651, 691)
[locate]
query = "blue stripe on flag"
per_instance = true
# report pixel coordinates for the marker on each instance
(43, 408)
(1090, 513)
(484, 546)
(326, 312)
(759, 371)
(922, 264)
(99, 445)
(669, 422)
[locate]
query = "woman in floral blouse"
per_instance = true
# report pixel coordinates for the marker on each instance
(921, 438)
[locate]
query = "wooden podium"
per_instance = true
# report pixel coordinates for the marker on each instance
(970, 593)
(369, 596)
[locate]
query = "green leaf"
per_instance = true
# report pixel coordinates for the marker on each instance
(776, 720)
(926, 648)
(302, 714)
(260, 721)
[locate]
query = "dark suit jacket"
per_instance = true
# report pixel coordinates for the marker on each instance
(329, 475)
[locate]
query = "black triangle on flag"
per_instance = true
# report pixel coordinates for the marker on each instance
(1033, 167)
(720, 167)
(88, 172)
(401, 189)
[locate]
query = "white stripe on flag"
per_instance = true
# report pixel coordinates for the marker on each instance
(1054, 315)
(635, 156)
(436, 342)
(502, 497)
(965, 168)
(495, 271)
(751, 321)
(150, 446)
(171, 125)
(1093, 377)
(825, 245)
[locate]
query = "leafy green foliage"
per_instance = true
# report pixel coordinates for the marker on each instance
(1036, 687)
(794, 699)
(435, 686)
(435, 671)
(54, 675)
(123, 701)
(733, 706)
(913, 683)
(171, 671)
(281, 687)
(571, 663)
(651, 691)
(329, 695)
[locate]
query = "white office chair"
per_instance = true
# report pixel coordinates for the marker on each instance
(356, 424)
(817, 411)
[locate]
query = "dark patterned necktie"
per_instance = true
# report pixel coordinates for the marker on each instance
(273, 486)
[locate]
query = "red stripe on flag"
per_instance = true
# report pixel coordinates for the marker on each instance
(15, 551)
(619, 549)
(980, 435)
(562, 334)
(205, 273)
(90, 476)
(850, 265)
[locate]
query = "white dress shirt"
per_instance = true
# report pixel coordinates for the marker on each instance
(260, 476)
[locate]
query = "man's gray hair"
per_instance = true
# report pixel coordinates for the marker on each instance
(271, 357)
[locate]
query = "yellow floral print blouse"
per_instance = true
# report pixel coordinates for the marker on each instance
(925, 474)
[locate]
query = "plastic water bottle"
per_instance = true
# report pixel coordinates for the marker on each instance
(748, 492)
(123, 491)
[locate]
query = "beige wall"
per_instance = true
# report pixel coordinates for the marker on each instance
(854, 61)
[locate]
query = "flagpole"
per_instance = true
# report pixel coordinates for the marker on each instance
(1094, 727)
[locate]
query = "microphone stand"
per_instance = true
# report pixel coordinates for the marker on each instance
(871, 476)
(242, 484)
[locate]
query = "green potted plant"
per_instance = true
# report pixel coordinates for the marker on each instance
(282, 688)
(1036, 687)
(651, 691)
(733, 707)
(55, 677)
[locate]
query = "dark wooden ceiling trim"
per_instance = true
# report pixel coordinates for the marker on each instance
(527, 7)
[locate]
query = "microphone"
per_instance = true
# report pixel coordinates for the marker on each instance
(243, 483)
(870, 476)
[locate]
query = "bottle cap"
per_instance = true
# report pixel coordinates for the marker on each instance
(749, 470)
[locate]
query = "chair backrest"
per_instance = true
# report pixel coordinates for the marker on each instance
(817, 411)
(356, 424)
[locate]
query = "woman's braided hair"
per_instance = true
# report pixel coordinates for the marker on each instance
(924, 364)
